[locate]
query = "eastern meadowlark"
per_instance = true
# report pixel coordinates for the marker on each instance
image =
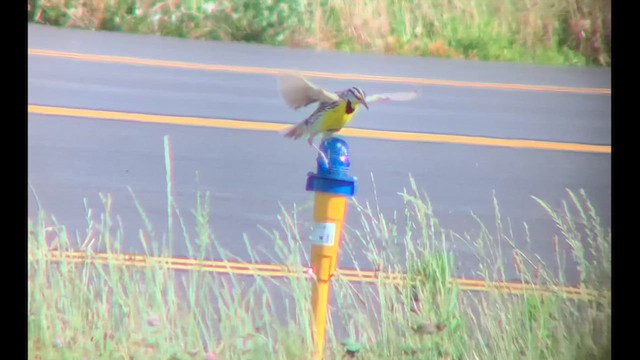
(335, 109)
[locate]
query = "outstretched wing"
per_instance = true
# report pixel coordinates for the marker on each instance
(297, 92)
(397, 96)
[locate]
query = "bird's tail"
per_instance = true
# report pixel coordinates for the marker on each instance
(295, 132)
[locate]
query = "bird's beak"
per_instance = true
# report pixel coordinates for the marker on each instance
(364, 102)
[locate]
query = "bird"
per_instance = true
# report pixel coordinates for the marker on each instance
(335, 109)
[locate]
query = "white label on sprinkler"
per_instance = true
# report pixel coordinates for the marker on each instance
(323, 234)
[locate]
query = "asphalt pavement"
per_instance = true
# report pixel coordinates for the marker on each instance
(252, 174)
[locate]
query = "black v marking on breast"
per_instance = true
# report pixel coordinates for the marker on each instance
(349, 108)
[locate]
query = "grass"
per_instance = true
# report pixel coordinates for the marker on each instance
(567, 32)
(83, 309)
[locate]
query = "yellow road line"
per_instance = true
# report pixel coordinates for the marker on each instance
(364, 133)
(476, 140)
(272, 71)
(186, 261)
(272, 270)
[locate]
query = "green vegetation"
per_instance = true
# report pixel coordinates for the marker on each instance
(572, 32)
(83, 309)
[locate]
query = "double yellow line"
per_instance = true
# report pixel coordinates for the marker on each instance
(272, 270)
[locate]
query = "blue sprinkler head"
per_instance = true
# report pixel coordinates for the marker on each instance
(333, 176)
(337, 152)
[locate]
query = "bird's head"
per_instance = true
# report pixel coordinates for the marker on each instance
(355, 94)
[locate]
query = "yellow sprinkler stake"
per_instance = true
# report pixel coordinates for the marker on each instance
(331, 185)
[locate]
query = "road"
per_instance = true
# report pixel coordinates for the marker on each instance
(251, 174)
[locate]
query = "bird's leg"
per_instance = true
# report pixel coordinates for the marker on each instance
(324, 157)
(325, 136)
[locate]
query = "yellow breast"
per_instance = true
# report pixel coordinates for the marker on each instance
(337, 118)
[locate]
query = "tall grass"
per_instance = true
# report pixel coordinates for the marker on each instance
(78, 308)
(110, 311)
(575, 32)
